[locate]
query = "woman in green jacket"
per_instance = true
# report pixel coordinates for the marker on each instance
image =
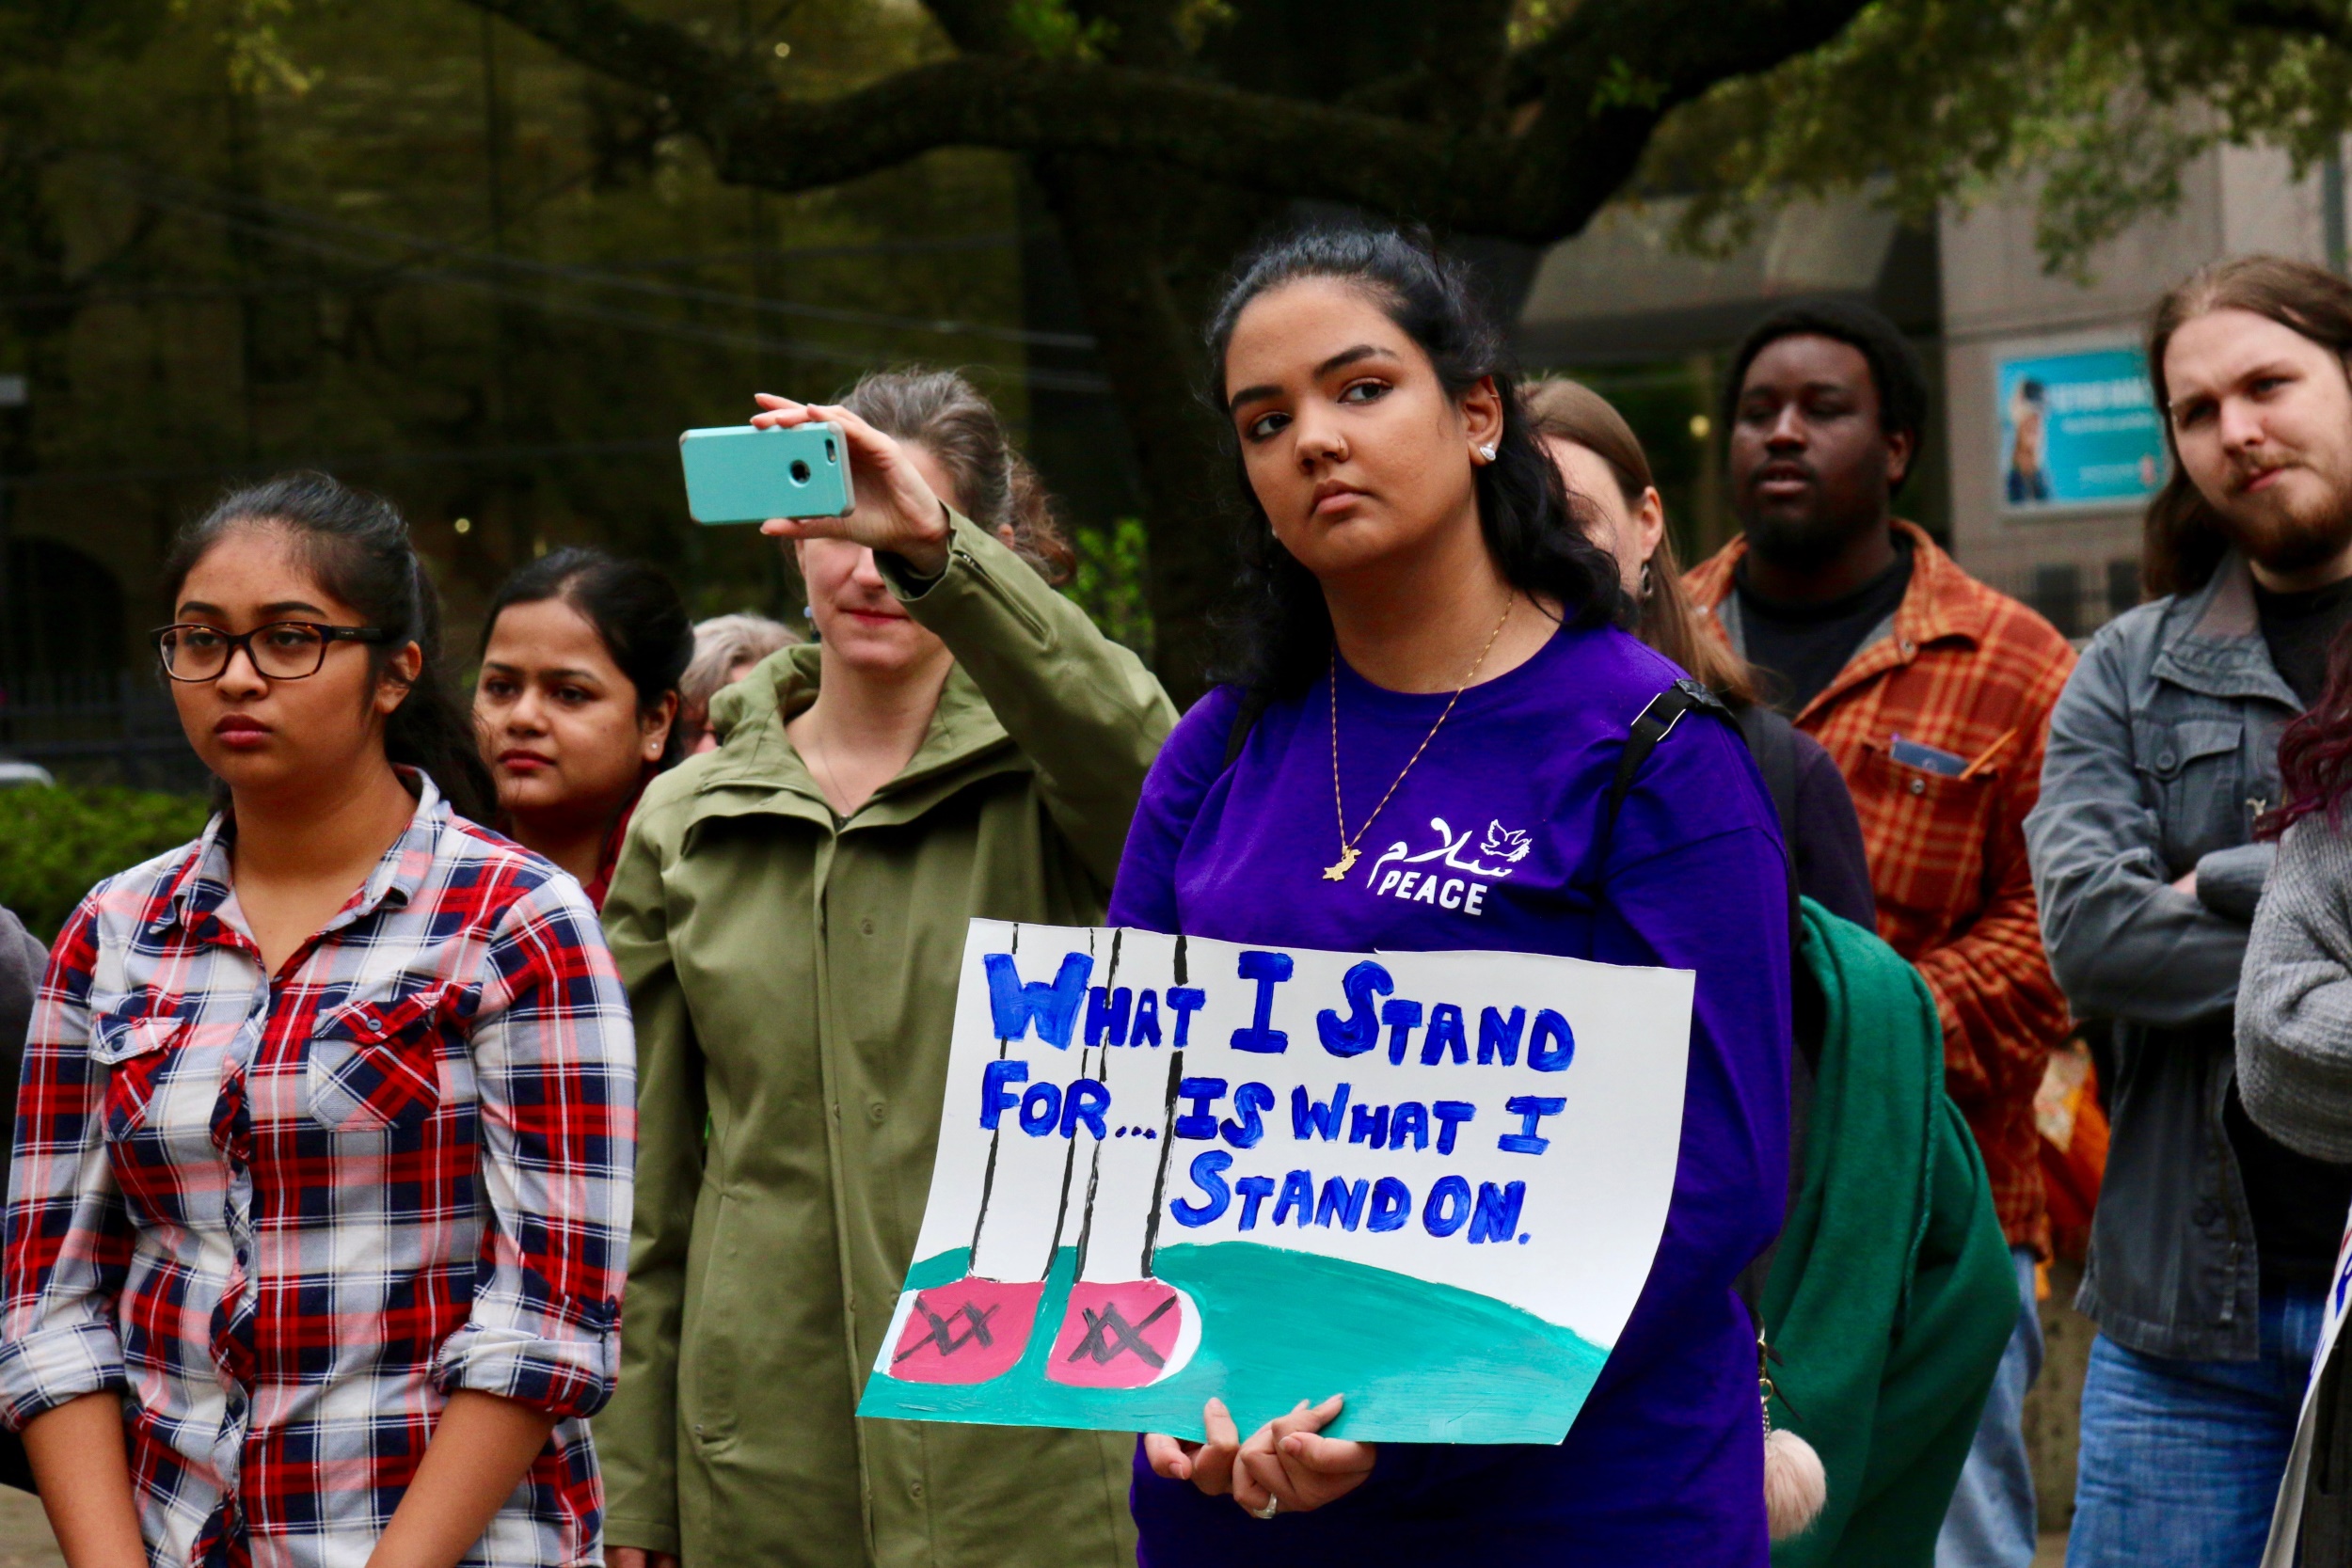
(789, 915)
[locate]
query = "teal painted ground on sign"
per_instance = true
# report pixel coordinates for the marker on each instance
(1419, 1362)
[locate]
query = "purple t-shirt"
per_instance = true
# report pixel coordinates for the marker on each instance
(1484, 846)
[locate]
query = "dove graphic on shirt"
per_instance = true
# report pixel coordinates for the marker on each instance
(1506, 844)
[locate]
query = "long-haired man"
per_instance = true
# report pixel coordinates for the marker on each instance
(2213, 1240)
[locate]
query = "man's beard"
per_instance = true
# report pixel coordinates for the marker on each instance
(1801, 540)
(1805, 543)
(2287, 538)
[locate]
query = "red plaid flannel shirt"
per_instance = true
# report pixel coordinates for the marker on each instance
(1973, 672)
(287, 1219)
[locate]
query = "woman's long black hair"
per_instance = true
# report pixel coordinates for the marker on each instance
(636, 610)
(357, 546)
(1279, 634)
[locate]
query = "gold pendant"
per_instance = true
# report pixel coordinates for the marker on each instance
(1337, 871)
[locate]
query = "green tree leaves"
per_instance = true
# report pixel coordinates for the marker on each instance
(2101, 103)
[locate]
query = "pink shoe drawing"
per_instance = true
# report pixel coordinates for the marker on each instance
(1124, 1336)
(967, 1331)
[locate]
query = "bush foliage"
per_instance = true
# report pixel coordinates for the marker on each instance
(1112, 583)
(56, 844)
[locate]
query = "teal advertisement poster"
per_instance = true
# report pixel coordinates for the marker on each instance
(2077, 429)
(1171, 1168)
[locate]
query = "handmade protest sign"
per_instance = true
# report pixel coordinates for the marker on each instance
(1170, 1168)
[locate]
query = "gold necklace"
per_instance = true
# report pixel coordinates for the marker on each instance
(1337, 871)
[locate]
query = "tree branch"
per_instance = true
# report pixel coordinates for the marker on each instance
(1464, 56)
(1650, 54)
(2318, 19)
(1609, 73)
(975, 26)
(1281, 146)
(1146, 34)
(1679, 48)
(1287, 147)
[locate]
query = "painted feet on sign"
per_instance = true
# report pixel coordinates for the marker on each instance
(967, 1331)
(1124, 1336)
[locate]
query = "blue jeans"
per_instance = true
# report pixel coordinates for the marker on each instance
(1991, 1523)
(2181, 1460)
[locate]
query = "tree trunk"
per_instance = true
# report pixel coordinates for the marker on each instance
(1150, 249)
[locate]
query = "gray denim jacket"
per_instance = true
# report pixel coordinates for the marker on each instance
(2164, 748)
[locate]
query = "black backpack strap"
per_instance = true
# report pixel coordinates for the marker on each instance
(1653, 724)
(1772, 741)
(1246, 716)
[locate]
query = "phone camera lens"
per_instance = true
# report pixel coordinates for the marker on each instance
(800, 472)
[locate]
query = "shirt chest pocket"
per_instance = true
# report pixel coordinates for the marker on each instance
(139, 1052)
(376, 1066)
(2193, 773)
(1926, 834)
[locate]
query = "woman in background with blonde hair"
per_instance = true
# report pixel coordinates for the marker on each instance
(1601, 460)
(726, 648)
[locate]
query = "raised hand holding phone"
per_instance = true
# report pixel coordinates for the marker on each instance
(897, 510)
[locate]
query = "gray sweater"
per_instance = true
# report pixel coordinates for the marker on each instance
(2295, 996)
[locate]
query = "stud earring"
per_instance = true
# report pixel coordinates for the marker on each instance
(1487, 454)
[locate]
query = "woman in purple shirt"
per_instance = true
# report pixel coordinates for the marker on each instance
(1431, 699)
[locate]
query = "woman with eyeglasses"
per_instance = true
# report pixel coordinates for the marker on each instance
(321, 1178)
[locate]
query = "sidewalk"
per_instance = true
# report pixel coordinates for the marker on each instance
(26, 1541)
(24, 1538)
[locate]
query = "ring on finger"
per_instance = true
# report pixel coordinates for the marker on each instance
(1273, 1506)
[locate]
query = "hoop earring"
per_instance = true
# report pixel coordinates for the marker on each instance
(1645, 581)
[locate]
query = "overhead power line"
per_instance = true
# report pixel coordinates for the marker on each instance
(1054, 380)
(1004, 240)
(332, 463)
(236, 206)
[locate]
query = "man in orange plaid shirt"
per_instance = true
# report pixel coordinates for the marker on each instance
(1933, 692)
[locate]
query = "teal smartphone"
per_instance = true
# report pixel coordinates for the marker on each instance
(743, 474)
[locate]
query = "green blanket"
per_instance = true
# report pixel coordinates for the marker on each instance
(1892, 1293)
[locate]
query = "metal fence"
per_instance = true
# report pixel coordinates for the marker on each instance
(111, 727)
(2075, 599)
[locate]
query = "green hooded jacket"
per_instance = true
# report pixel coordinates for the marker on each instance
(793, 978)
(1891, 1293)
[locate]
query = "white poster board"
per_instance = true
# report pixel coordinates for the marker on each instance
(1171, 1168)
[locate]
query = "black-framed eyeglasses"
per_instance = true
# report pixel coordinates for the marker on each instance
(281, 650)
